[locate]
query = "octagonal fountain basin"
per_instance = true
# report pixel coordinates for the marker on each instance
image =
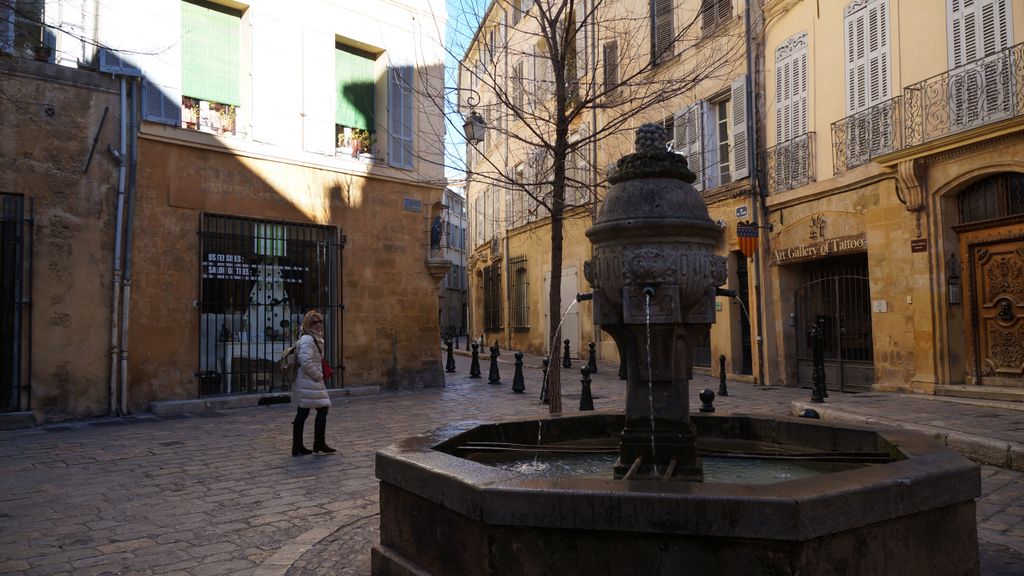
(896, 502)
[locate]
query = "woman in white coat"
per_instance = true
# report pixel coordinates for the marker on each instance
(308, 390)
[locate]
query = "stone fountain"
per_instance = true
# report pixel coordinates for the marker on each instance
(654, 275)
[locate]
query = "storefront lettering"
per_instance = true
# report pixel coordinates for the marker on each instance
(830, 247)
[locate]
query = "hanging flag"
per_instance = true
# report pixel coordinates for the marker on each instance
(746, 233)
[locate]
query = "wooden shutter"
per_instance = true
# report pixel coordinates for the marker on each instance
(710, 160)
(318, 131)
(400, 120)
(275, 102)
(867, 56)
(611, 65)
(739, 151)
(580, 34)
(979, 29)
(792, 155)
(210, 52)
(664, 30)
(689, 139)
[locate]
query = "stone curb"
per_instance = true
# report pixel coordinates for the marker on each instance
(980, 449)
(174, 407)
(17, 420)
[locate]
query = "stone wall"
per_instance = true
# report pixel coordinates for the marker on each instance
(48, 130)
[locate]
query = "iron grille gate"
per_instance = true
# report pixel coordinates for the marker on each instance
(259, 277)
(837, 294)
(14, 261)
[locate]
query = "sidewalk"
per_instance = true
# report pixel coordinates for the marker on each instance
(219, 493)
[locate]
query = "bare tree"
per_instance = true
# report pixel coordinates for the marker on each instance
(553, 78)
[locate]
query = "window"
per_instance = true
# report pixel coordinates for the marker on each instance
(520, 289)
(517, 85)
(258, 277)
(714, 13)
(792, 152)
(712, 135)
(994, 197)
(669, 123)
(611, 65)
(21, 27)
(354, 114)
(662, 30)
(981, 80)
(492, 298)
(578, 29)
(210, 75)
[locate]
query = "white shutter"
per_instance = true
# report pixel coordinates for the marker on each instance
(68, 26)
(7, 27)
(689, 139)
(979, 29)
(709, 158)
(160, 61)
(318, 98)
(400, 121)
(739, 151)
(275, 101)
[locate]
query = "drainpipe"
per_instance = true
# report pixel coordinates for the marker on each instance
(122, 153)
(756, 192)
(127, 278)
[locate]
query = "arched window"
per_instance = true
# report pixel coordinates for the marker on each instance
(996, 196)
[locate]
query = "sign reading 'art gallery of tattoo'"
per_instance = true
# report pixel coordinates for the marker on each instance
(819, 249)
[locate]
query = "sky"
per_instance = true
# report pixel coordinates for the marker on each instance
(463, 18)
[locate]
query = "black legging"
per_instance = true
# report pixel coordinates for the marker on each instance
(320, 420)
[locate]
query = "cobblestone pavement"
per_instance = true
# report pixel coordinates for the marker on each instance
(221, 494)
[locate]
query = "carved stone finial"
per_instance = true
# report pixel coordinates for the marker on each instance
(651, 159)
(651, 138)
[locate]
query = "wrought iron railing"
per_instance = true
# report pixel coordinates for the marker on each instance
(867, 134)
(790, 164)
(978, 93)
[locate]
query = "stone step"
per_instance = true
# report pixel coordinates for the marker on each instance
(1000, 393)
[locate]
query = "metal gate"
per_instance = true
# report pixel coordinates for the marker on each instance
(837, 295)
(259, 277)
(15, 267)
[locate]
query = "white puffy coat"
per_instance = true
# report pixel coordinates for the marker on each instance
(308, 390)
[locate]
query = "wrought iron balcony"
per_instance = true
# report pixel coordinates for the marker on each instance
(790, 164)
(867, 134)
(981, 92)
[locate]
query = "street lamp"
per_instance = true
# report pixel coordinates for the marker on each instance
(474, 126)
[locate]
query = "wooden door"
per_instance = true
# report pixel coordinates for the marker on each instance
(998, 307)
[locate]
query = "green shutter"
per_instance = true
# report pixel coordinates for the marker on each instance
(355, 82)
(209, 52)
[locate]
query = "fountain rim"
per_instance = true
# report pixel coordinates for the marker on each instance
(655, 230)
(799, 509)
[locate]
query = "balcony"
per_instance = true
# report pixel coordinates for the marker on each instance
(870, 133)
(790, 164)
(981, 92)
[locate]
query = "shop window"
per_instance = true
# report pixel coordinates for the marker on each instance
(258, 278)
(210, 86)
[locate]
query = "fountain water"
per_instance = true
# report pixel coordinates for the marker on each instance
(654, 273)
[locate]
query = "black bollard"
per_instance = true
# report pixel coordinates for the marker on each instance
(474, 366)
(818, 356)
(518, 386)
(722, 390)
(586, 398)
(493, 377)
(566, 361)
(468, 340)
(707, 399)
(592, 361)
(450, 364)
(544, 382)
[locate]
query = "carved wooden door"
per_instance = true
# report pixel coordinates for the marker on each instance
(999, 310)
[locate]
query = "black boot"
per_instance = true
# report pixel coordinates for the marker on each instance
(297, 427)
(319, 432)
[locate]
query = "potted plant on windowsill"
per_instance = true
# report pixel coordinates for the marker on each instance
(362, 141)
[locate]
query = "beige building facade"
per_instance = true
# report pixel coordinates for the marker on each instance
(894, 193)
(696, 45)
(177, 211)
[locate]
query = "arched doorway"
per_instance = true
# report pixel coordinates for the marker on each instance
(991, 231)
